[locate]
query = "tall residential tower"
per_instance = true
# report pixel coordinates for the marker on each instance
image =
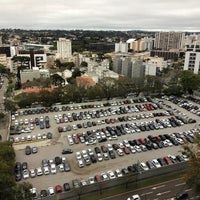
(64, 48)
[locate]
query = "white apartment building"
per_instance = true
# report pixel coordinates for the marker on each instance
(121, 47)
(192, 59)
(64, 48)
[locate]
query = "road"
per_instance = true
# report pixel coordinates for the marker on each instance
(162, 191)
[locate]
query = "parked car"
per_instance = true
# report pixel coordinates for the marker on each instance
(58, 188)
(51, 191)
(28, 150)
(66, 186)
(67, 151)
(134, 197)
(181, 196)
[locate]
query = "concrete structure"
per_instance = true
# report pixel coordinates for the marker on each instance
(138, 69)
(3, 59)
(126, 67)
(129, 67)
(169, 40)
(1, 42)
(35, 73)
(157, 62)
(64, 48)
(121, 47)
(193, 39)
(150, 69)
(36, 47)
(167, 55)
(192, 59)
(37, 59)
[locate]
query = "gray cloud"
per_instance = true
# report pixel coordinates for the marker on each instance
(100, 14)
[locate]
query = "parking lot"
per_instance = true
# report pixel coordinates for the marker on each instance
(87, 126)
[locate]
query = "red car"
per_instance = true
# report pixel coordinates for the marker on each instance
(58, 189)
(168, 160)
(126, 150)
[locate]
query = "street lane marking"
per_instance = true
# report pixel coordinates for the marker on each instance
(146, 193)
(161, 193)
(160, 186)
(188, 190)
(177, 185)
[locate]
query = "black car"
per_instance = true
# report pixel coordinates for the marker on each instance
(18, 176)
(112, 154)
(49, 135)
(67, 151)
(93, 159)
(18, 166)
(43, 193)
(58, 160)
(28, 150)
(66, 186)
(24, 166)
(97, 150)
(182, 196)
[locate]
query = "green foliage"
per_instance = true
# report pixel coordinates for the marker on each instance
(76, 72)
(192, 176)
(2, 115)
(57, 79)
(84, 64)
(67, 65)
(7, 181)
(189, 81)
(10, 105)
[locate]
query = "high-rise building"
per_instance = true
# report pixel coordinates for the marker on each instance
(169, 40)
(1, 42)
(121, 47)
(64, 48)
(192, 59)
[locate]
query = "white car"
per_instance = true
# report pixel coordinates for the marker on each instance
(51, 191)
(34, 193)
(39, 171)
(118, 173)
(53, 169)
(156, 163)
(120, 152)
(99, 157)
(78, 155)
(61, 167)
(111, 174)
(32, 173)
(46, 170)
(134, 197)
(91, 180)
(144, 166)
(104, 176)
(80, 163)
(25, 174)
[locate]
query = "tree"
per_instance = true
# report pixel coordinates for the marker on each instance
(76, 72)
(189, 81)
(22, 60)
(192, 175)
(7, 182)
(84, 64)
(10, 105)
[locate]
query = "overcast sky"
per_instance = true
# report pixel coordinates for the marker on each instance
(177, 15)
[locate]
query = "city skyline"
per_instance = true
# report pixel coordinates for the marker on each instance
(158, 15)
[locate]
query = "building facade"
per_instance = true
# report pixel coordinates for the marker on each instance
(64, 48)
(169, 40)
(192, 59)
(121, 47)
